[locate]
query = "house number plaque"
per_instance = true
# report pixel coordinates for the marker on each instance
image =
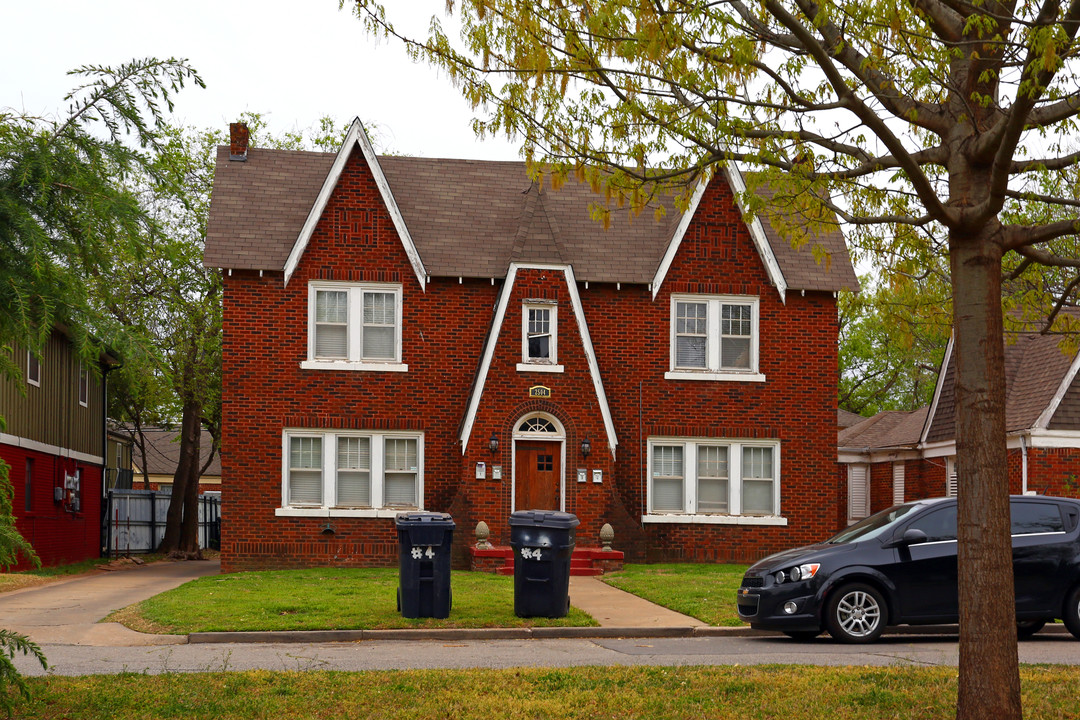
(539, 391)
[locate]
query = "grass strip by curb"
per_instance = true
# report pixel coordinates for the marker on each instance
(324, 599)
(681, 693)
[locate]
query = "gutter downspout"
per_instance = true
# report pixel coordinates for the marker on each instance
(1023, 465)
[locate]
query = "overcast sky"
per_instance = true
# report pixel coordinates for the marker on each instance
(292, 61)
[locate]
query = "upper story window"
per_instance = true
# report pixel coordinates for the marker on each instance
(714, 338)
(703, 480)
(33, 369)
(354, 327)
(356, 473)
(539, 337)
(84, 386)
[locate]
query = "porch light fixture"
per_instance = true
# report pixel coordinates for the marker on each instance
(586, 447)
(493, 444)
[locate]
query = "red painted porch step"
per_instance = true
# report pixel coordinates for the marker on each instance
(581, 562)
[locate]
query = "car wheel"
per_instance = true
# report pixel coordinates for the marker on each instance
(1026, 628)
(1071, 614)
(856, 613)
(802, 635)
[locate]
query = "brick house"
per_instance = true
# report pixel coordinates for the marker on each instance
(54, 443)
(406, 332)
(897, 456)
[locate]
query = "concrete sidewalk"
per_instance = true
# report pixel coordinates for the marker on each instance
(67, 611)
(612, 607)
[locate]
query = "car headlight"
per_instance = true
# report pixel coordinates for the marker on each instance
(797, 573)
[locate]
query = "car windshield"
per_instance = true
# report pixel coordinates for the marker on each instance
(872, 526)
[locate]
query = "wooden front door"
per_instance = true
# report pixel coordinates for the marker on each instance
(536, 475)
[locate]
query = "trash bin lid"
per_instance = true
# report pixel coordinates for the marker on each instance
(420, 518)
(544, 518)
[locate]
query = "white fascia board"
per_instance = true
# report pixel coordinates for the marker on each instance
(485, 360)
(1048, 413)
(850, 456)
(944, 448)
(757, 231)
(937, 391)
(492, 340)
(590, 356)
(356, 136)
(1054, 439)
(676, 239)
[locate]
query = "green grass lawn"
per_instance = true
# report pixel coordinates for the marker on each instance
(324, 599)
(704, 591)
(691, 693)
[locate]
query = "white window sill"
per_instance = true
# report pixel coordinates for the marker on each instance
(539, 367)
(348, 365)
(714, 376)
(687, 519)
(390, 513)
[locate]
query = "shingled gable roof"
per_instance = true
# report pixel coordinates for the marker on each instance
(890, 429)
(477, 390)
(1038, 376)
(463, 218)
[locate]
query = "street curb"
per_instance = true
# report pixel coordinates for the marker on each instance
(533, 633)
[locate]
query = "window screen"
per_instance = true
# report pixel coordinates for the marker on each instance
(305, 471)
(668, 478)
(331, 324)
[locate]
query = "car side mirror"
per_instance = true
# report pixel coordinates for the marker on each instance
(911, 536)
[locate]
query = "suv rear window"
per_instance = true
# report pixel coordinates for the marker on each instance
(1029, 518)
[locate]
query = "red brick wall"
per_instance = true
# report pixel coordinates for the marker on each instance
(443, 334)
(58, 537)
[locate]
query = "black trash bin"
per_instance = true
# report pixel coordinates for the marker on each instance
(425, 541)
(543, 541)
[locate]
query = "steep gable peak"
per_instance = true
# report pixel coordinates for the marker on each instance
(356, 137)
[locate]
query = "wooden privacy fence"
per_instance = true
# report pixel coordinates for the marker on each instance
(133, 521)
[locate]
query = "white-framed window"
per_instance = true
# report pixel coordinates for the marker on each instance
(84, 385)
(714, 481)
(351, 473)
(33, 369)
(539, 337)
(950, 476)
(354, 327)
(714, 337)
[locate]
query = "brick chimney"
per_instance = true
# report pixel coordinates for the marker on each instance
(238, 141)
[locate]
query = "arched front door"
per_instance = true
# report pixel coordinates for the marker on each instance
(538, 451)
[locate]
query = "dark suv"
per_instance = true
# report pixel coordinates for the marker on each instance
(899, 567)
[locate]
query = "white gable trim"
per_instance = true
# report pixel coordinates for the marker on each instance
(937, 392)
(356, 136)
(1048, 413)
(676, 239)
(757, 234)
(493, 337)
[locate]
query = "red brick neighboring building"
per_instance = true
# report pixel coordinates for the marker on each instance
(449, 335)
(897, 456)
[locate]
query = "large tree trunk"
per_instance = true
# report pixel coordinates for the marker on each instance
(989, 682)
(186, 469)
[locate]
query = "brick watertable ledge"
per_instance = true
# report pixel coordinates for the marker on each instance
(584, 561)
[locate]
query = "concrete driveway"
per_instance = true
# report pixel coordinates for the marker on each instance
(67, 612)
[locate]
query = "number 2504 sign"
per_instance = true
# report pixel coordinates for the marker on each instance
(539, 391)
